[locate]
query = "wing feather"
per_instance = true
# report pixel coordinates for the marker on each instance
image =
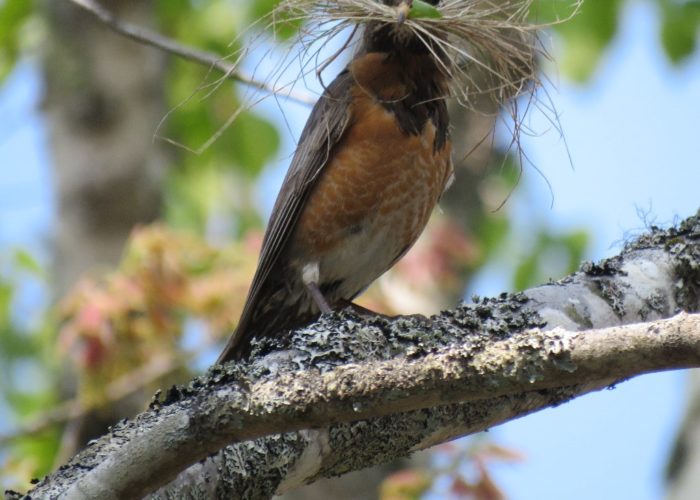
(328, 121)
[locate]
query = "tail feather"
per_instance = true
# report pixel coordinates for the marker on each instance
(272, 313)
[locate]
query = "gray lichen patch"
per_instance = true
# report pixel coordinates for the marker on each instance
(345, 336)
(683, 242)
(613, 292)
(370, 449)
(656, 304)
(605, 283)
(248, 471)
(606, 268)
(687, 252)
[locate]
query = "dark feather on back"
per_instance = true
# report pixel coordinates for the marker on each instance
(327, 122)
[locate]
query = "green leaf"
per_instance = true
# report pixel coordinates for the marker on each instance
(6, 294)
(13, 15)
(423, 10)
(586, 35)
(526, 273)
(190, 193)
(576, 243)
(41, 447)
(26, 262)
(260, 8)
(284, 27)
(552, 256)
(491, 233)
(679, 29)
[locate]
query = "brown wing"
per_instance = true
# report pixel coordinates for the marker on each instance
(324, 128)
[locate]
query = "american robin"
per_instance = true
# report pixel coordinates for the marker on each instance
(370, 167)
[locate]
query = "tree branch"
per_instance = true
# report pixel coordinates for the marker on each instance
(457, 373)
(209, 59)
(530, 361)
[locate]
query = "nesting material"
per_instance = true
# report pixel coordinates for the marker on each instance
(493, 44)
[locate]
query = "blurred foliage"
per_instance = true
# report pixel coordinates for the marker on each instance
(585, 36)
(680, 25)
(27, 366)
(14, 15)
(551, 257)
(115, 324)
(112, 324)
(458, 471)
(216, 180)
(593, 28)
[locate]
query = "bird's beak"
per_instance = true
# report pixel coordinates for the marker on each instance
(404, 8)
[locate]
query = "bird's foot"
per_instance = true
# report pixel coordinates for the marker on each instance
(318, 297)
(362, 311)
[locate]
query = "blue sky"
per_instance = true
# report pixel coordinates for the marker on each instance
(632, 133)
(25, 176)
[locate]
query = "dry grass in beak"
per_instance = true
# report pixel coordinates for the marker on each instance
(490, 47)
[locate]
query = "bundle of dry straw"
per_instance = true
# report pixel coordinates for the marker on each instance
(492, 44)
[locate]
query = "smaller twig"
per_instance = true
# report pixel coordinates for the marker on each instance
(72, 409)
(213, 61)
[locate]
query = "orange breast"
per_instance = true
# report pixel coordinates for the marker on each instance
(379, 180)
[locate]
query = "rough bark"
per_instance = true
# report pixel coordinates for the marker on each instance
(345, 378)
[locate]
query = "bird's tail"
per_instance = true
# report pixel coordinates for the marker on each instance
(272, 313)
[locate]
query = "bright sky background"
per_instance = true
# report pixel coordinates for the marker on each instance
(633, 134)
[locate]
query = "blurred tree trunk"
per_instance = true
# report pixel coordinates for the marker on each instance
(103, 100)
(683, 472)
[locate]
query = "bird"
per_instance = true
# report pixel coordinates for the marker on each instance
(371, 164)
